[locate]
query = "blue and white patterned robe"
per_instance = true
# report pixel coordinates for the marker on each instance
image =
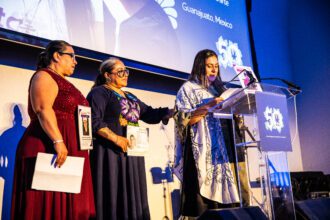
(215, 177)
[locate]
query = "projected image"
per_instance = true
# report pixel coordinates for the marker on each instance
(166, 33)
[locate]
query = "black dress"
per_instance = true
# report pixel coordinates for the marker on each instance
(119, 181)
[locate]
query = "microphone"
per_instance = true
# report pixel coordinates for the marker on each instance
(286, 82)
(233, 79)
(290, 84)
(251, 78)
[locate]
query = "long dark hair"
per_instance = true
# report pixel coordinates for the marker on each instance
(198, 73)
(46, 56)
(106, 67)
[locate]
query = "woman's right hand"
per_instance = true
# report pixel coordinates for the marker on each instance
(62, 153)
(215, 101)
(203, 110)
(122, 142)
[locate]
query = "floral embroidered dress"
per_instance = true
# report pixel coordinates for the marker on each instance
(119, 181)
(207, 143)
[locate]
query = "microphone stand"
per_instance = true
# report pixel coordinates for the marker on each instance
(294, 89)
(243, 70)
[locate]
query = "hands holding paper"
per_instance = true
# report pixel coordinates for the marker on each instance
(123, 143)
(214, 102)
(62, 153)
(201, 111)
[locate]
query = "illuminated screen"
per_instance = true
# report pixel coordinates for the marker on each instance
(165, 33)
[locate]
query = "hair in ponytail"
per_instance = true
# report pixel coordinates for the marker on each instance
(46, 56)
(106, 67)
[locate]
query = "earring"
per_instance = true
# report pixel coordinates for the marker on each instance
(107, 80)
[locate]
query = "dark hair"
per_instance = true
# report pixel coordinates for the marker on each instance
(198, 73)
(46, 56)
(106, 66)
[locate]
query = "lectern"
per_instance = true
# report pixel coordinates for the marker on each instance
(261, 122)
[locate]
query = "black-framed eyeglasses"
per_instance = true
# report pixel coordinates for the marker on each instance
(72, 55)
(122, 73)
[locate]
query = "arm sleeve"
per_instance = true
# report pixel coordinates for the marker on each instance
(183, 109)
(184, 101)
(98, 101)
(151, 115)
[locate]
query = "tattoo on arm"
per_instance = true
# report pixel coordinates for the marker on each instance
(108, 134)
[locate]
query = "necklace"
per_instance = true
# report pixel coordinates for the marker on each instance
(117, 90)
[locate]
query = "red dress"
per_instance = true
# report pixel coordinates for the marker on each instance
(28, 203)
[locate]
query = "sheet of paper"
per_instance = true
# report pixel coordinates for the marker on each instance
(50, 178)
(230, 92)
(139, 140)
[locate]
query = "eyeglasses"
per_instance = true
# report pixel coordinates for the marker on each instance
(122, 73)
(72, 55)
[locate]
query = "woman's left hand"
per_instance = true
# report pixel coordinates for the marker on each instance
(62, 153)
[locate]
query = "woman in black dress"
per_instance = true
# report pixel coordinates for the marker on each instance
(119, 181)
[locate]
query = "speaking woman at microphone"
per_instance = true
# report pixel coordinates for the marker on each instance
(203, 154)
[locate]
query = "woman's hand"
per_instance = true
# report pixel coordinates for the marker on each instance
(62, 153)
(214, 102)
(200, 112)
(122, 142)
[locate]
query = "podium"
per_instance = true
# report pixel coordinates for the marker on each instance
(261, 131)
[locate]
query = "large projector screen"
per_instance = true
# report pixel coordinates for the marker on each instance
(165, 33)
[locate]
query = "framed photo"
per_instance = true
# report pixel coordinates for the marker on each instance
(139, 140)
(85, 127)
(248, 79)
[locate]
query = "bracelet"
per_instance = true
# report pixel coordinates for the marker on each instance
(57, 141)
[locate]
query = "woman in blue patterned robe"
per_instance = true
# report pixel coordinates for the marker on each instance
(202, 162)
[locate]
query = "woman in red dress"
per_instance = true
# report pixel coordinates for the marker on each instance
(52, 107)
